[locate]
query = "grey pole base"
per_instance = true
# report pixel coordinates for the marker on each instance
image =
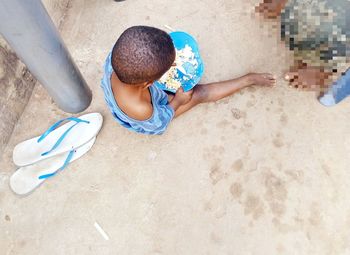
(29, 30)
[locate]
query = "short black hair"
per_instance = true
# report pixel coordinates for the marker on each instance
(142, 54)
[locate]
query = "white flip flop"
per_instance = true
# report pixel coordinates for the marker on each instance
(56, 140)
(28, 178)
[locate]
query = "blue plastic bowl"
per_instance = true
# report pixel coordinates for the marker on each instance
(180, 40)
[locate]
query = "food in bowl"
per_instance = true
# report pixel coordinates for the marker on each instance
(184, 68)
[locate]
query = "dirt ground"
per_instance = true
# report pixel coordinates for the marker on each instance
(265, 171)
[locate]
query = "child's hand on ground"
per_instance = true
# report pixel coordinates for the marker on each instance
(261, 79)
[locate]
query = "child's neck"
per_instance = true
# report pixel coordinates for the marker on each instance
(130, 90)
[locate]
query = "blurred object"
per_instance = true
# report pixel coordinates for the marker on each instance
(339, 91)
(318, 33)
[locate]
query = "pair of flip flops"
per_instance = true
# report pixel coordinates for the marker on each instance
(44, 156)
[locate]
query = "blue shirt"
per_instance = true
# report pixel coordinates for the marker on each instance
(162, 114)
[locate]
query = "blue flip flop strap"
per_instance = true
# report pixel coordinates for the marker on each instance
(65, 164)
(54, 126)
(59, 140)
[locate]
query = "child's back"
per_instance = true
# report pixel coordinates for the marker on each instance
(140, 56)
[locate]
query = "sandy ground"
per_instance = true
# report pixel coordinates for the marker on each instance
(262, 172)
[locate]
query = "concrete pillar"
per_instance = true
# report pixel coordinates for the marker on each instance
(29, 30)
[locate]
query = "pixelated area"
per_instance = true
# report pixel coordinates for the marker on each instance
(317, 32)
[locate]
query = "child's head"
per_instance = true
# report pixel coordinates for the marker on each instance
(142, 55)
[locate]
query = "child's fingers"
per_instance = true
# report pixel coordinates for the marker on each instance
(187, 93)
(180, 90)
(190, 92)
